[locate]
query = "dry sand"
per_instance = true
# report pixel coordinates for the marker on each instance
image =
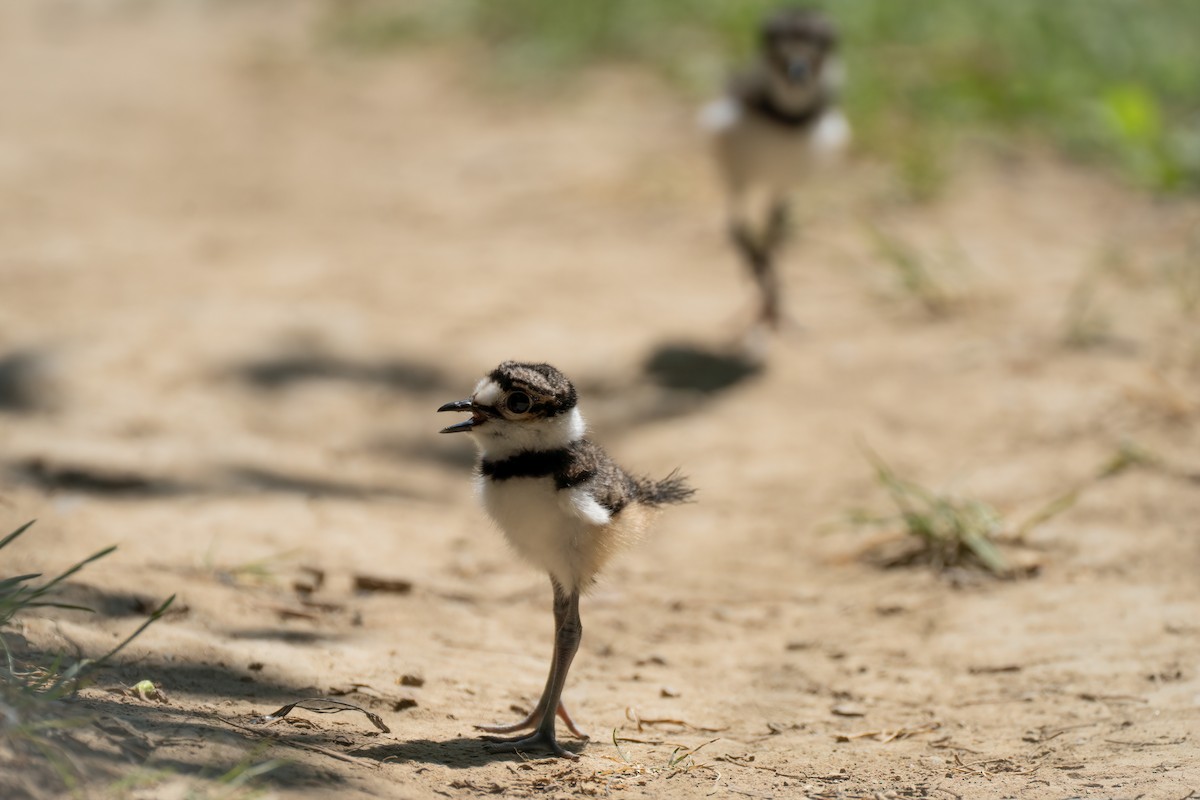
(239, 270)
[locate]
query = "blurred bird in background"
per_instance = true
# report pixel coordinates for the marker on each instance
(775, 123)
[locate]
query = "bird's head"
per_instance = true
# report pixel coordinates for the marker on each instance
(520, 406)
(796, 45)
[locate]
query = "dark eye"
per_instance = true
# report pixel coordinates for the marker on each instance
(518, 403)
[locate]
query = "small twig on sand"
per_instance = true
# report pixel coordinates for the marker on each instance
(1046, 733)
(291, 743)
(945, 744)
(631, 714)
(646, 741)
(888, 736)
(1112, 698)
(980, 768)
(837, 778)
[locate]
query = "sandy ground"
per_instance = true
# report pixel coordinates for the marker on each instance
(239, 271)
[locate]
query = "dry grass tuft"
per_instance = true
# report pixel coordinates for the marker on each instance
(949, 531)
(946, 532)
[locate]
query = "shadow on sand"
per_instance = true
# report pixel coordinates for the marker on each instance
(298, 365)
(695, 367)
(50, 476)
(23, 386)
(228, 480)
(462, 753)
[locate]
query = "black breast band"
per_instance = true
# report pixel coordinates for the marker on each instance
(529, 464)
(763, 106)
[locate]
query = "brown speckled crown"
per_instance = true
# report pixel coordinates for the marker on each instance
(799, 24)
(549, 389)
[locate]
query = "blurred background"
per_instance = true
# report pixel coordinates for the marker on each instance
(247, 248)
(1113, 82)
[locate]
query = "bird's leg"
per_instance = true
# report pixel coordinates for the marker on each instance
(539, 711)
(747, 244)
(778, 224)
(768, 280)
(535, 717)
(758, 250)
(568, 631)
(531, 721)
(758, 258)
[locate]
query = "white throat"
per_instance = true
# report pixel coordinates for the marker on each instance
(500, 438)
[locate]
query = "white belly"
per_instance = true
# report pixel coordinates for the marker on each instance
(561, 532)
(757, 153)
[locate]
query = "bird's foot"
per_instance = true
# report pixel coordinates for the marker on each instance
(541, 739)
(570, 723)
(534, 720)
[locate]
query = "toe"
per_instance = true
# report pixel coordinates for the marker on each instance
(530, 744)
(519, 726)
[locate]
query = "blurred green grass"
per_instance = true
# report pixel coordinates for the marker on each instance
(1114, 82)
(36, 718)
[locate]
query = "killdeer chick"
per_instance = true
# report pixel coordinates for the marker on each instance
(773, 126)
(561, 502)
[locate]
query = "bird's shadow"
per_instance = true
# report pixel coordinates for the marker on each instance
(461, 753)
(48, 475)
(697, 367)
(23, 387)
(297, 363)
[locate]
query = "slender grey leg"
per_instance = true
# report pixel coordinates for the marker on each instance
(777, 225)
(773, 239)
(568, 632)
(539, 711)
(759, 255)
(535, 717)
(748, 246)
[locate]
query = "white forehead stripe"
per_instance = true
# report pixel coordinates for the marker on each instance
(487, 392)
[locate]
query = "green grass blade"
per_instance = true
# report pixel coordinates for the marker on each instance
(72, 570)
(7, 539)
(987, 553)
(52, 604)
(154, 617)
(7, 583)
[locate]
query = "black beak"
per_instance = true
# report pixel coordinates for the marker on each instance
(798, 71)
(460, 405)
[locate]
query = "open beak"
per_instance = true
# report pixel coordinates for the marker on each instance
(467, 424)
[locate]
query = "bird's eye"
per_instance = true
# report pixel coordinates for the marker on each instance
(518, 403)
